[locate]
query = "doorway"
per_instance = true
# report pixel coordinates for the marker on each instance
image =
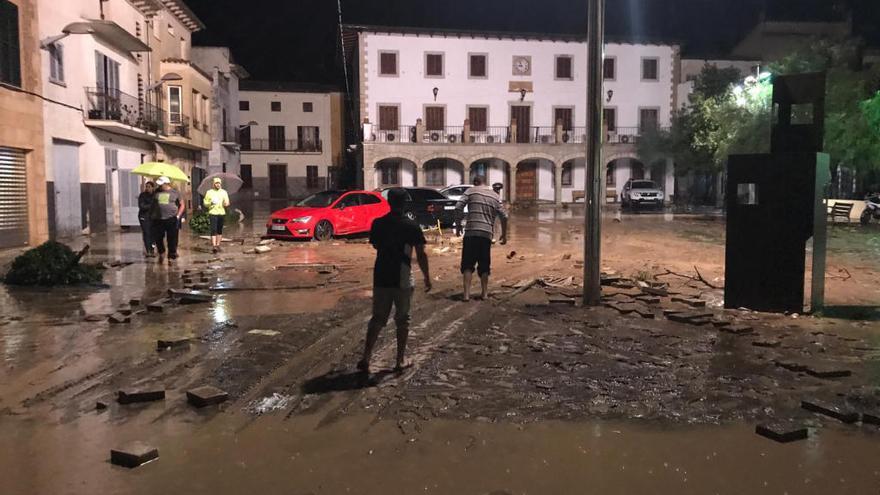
(523, 116)
(527, 181)
(68, 195)
(278, 181)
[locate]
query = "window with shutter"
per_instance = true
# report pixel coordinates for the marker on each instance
(56, 63)
(563, 67)
(565, 115)
(10, 58)
(276, 137)
(435, 118)
(388, 117)
(388, 63)
(609, 69)
(609, 115)
(648, 118)
(434, 65)
(478, 118)
(649, 69)
(477, 66)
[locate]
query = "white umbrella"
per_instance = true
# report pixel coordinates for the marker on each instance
(231, 182)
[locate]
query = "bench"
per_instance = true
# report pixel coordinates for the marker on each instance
(840, 209)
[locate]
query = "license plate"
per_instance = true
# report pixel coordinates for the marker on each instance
(279, 227)
(448, 207)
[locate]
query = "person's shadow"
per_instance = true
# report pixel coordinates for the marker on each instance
(338, 381)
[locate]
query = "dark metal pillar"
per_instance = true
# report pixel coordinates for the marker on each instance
(593, 186)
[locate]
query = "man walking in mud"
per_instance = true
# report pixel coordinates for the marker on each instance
(394, 237)
(484, 206)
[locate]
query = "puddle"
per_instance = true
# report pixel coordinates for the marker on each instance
(227, 455)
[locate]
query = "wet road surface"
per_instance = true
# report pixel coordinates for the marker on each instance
(512, 395)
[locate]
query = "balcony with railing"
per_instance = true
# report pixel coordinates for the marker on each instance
(285, 145)
(457, 135)
(121, 113)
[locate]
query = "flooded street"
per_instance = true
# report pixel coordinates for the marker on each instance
(524, 393)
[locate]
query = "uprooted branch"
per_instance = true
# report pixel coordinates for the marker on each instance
(698, 278)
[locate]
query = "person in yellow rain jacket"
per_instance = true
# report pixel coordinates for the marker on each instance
(216, 201)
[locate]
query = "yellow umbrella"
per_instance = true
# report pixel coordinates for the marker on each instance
(160, 169)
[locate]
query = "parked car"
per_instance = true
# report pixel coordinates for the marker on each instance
(455, 192)
(327, 213)
(637, 193)
(426, 206)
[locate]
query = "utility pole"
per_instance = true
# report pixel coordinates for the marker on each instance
(593, 186)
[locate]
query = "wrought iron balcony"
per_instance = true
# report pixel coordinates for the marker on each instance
(290, 145)
(104, 104)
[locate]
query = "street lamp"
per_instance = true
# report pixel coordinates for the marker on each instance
(171, 76)
(249, 124)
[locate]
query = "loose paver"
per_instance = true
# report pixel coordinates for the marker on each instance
(133, 454)
(782, 432)
(131, 397)
(830, 410)
(206, 396)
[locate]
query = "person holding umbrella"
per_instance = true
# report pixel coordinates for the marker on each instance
(216, 201)
(145, 210)
(167, 211)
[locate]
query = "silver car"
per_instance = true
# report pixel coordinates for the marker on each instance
(638, 193)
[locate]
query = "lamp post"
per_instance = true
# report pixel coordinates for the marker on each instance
(593, 186)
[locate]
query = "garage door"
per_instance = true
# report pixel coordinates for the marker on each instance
(13, 198)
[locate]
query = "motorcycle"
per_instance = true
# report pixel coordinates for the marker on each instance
(872, 209)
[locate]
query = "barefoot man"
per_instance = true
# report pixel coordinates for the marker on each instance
(483, 205)
(394, 237)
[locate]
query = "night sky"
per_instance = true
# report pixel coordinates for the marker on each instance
(298, 40)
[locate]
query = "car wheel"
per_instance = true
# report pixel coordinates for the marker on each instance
(323, 231)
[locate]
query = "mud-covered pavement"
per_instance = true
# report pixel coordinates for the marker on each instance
(524, 393)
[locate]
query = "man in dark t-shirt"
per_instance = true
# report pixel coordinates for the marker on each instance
(394, 237)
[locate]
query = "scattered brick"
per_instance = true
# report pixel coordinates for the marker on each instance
(827, 371)
(737, 329)
(262, 249)
(830, 411)
(134, 301)
(782, 432)
(133, 455)
(190, 296)
(139, 396)
(158, 305)
(791, 366)
(771, 343)
(696, 303)
(655, 291)
(117, 318)
(206, 396)
(648, 299)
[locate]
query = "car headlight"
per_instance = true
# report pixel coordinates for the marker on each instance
(301, 220)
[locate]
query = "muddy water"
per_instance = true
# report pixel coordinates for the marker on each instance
(358, 455)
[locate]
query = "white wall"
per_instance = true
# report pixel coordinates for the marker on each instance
(412, 90)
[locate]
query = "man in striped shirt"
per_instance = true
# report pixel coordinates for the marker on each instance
(483, 206)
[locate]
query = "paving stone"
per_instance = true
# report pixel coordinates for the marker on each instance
(871, 418)
(737, 329)
(692, 318)
(830, 410)
(767, 343)
(693, 302)
(623, 308)
(562, 300)
(206, 396)
(158, 305)
(133, 454)
(609, 279)
(190, 296)
(672, 311)
(117, 318)
(791, 366)
(782, 432)
(648, 299)
(134, 301)
(718, 323)
(172, 343)
(655, 291)
(645, 313)
(131, 397)
(262, 249)
(126, 310)
(827, 371)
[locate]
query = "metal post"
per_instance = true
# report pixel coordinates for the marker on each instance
(593, 186)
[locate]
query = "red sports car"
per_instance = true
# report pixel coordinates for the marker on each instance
(328, 213)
